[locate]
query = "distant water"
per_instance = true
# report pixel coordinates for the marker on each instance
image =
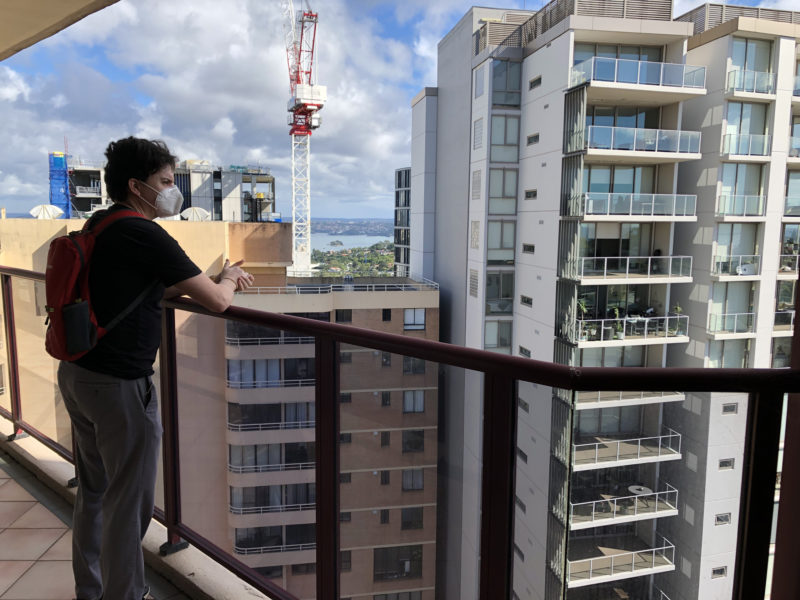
(321, 241)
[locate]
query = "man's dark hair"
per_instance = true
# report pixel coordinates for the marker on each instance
(135, 158)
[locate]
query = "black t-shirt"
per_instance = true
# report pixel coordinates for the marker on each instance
(127, 258)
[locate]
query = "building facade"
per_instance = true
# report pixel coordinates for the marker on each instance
(607, 186)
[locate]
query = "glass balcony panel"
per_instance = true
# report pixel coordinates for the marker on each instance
(266, 516)
(41, 403)
(741, 206)
(668, 141)
(600, 137)
(628, 71)
(784, 320)
(388, 456)
(792, 206)
(604, 69)
(788, 263)
(749, 264)
(596, 203)
(600, 68)
(732, 323)
(646, 140)
(5, 392)
(606, 330)
(746, 144)
(757, 82)
(636, 266)
(794, 147)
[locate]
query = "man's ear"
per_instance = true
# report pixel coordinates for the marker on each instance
(133, 187)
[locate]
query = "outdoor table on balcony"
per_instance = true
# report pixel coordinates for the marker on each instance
(640, 490)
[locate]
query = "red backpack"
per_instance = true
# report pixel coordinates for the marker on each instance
(73, 328)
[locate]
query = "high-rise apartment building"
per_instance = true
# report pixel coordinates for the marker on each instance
(607, 186)
(402, 221)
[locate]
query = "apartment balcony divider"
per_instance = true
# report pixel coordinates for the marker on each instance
(754, 82)
(601, 137)
(747, 144)
(639, 72)
(732, 323)
(765, 388)
(627, 267)
(738, 264)
(741, 206)
(639, 205)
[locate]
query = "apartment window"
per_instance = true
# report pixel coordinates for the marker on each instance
(477, 134)
(386, 359)
(345, 398)
(524, 405)
(523, 351)
(751, 60)
(500, 242)
(304, 569)
(502, 191)
(397, 562)
(344, 315)
(414, 440)
(413, 366)
(505, 139)
(746, 126)
(257, 457)
(345, 558)
(506, 82)
(414, 318)
(722, 519)
(259, 537)
(386, 477)
(345, 438)
(345, 477)
(718, 572)
(497, 336)
(525, 300)
(535, 82)
(344, 517)
(411, 518)
(384, 516)
(473, 283)
(531, 194)
(414, 401)
(730, 409)
(270, 572)
(385, 438)
(345, 357)
(726, 464)
(413, 479)
(387, 314)
(499, 293)
(533, 139)
(522, 456)
(480, 76)
(386, 398)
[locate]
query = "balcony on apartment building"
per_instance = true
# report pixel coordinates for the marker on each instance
(732, 325)
(747, 146)
(632, 329)
(793, 159)
(595, 560)
(589, 400)
(599, 451)
(640, 145)
(791, 207)
(628, 589)
(621, 207)
(736, 266)
(613, 79)
(751, 85)
(784, 320)
(630, 503)
(733, 208)
(634, 269)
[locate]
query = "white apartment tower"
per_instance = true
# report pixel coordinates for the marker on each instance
(599, 184)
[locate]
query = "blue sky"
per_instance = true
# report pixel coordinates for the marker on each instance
(216, 88)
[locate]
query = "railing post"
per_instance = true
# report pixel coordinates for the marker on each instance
(13, 356)
(757, 496)
(170, 447)
(327, 467)
(497, 496)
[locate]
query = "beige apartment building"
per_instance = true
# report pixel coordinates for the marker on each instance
(247, 412)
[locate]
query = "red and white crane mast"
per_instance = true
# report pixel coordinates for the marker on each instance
(307, 99)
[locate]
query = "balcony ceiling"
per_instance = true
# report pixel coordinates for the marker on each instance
(23, 22)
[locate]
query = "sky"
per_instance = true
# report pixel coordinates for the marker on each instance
(209, 77)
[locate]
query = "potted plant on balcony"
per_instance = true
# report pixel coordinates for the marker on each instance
(675, 324)
(618, 325)
(582, 310)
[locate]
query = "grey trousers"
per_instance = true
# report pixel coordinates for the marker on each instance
(117, 431)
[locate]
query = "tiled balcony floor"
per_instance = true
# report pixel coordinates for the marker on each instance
(36, 541)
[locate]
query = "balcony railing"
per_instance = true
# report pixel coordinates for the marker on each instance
(630, 449)
(301, 466)
(622, 564)
(623, 507)
(422, 285)
(604, 330)
(25, 405)
(640, 205)
(270, 426)
(747, 144)
(792, 206)
(788, 263)
(599, 137)
(757, 82)
(268, 341)
(739, 264)
(262, 510)
(796, 86)
(784, 319)
(732, 323)
(587, 400)
(741, 206)
(794, 147)
(626, 267)
(618, 70)
(273, 383)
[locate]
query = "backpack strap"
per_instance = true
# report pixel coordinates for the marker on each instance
(128, 309)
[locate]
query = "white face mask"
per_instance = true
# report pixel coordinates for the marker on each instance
(168, 201)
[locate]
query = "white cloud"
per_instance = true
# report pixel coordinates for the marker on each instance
(12, 86)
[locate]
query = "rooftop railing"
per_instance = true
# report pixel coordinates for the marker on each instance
(32, 407)
(627, 267)
(639, 72)
(747, 144)
(741, 206)
(600, 137)
(755, 82)
(639, 205)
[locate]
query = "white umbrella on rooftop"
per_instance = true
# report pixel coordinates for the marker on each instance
(195, 213)
(46, 211)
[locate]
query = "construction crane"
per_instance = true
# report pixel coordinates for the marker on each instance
(307, 99)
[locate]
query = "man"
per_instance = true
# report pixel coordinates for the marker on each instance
(108, 392)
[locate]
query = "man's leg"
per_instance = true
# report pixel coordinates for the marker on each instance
(87, 514)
